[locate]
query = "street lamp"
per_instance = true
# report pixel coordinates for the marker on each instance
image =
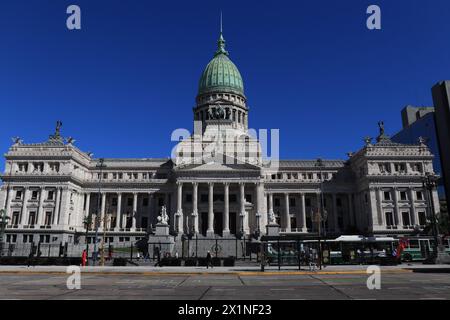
(321, 215)
(3, 223)
(429, 183)
(100, 165)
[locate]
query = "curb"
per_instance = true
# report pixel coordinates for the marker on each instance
(249, 273)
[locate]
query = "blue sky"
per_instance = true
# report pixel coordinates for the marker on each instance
(124, 82)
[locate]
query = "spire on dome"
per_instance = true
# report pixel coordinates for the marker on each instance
(221, 42)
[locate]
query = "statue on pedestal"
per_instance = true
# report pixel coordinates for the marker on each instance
(272, 218)
(163, 218)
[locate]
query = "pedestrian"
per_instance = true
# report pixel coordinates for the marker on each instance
(209, 260)
(158, 257)
(84, 258)
(31, 258)
(176, 254)
(138, 256)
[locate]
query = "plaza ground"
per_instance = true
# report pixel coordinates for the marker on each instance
(238, 283)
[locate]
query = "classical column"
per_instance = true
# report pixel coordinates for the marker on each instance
(303, 208)
(134, 214)
(243, 214)
(179, 213)
(64, 208)
(24, 215)
(151, 196)
(287, 216)
(398, 216)
(226, 210)
(195, 206)
(210, 231)
(350, 209)
(56, 212)
(414, 216)
(9, 195)
(381, 222)
(102, 212)
(88, 203)
(335, 213)
(119, 210)
(41, 214)
(260, 214)
(270, 202)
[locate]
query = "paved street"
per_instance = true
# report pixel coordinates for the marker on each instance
(395, 284)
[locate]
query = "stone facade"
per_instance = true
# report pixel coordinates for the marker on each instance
(50, 189)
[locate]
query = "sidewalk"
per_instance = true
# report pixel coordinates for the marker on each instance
(239, 270)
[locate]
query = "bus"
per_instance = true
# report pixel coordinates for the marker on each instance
(342, 250)
(356, 249)
(420, 248)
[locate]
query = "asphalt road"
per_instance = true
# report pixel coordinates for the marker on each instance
(405, 285)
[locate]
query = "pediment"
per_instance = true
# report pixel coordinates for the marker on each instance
(229, 164)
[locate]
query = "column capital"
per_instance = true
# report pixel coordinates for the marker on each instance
(211, 184)
(226, 184)
(179, 183)
(195, 184)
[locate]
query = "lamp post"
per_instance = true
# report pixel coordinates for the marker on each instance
(429, 183)
(3, 217)
(100, 165)
(3, 223)
(87, 223)
(321, 215)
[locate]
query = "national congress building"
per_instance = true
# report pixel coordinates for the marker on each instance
(217, 185)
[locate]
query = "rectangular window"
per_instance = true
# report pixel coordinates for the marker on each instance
(32, 218)
(160, 202)
(419, 195)
(34, 195)
(120, 176)
(145, 202)
(204, 198)
(422, 218)
(50, 195)
(276, 202)
(19, 195)
(400, 167)
(48, 218)
(114, 176)
(403, 196)
(144, 176)
(417, 167)
(233, 198)
(130, 202)
(387, 196)
(15, 219)
(308, 202)
(414, 244)
(292, 202)
(389, 219)
(114, 202)
(406, 218)
(188, 198)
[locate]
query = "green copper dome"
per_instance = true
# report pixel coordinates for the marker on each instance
(221, 74)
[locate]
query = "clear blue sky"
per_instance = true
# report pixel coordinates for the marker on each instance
(129, 77)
